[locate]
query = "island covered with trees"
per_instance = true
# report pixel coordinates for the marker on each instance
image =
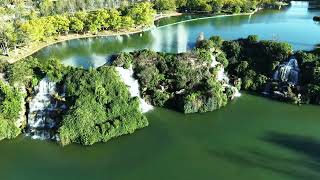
(97, 105)
(86, 106)
(272, 68)
(187, 82)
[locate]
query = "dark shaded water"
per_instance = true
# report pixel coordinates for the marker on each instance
(251, 138)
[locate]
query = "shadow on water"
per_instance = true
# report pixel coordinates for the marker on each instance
(303, 163)
(307, 146)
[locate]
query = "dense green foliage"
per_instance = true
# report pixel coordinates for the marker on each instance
(165, 5)
(212, 6)
(310, 76)
(255, 62)
(101, 107)
(19, 32)
(29, 71)
(31, 21)
(10, 107)
(99, 104)
(183, 82)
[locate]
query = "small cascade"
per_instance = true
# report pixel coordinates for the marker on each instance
(249, 19)
(119, 38)
(223, 77)
(127, 77)
(288, 72)
(42, 108)
(158, 39)
(182, 38)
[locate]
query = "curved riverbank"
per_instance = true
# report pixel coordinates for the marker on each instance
(24, 52)
(211, 17)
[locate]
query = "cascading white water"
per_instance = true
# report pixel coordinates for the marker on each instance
(119, 38)
(41, 106)
(288, 72)
(182, 40)
(127, 77)
(223, 77)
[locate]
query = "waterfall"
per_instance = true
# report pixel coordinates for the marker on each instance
(156, 45)
(249, 19)
(223, 77)
(288, 72)
(119, 38)
(127, 77)
(182, 38)
(42, 107)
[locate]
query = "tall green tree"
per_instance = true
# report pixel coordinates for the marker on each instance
(76, 25)
(33, 30)
(114, 21)
(165, 5)
(98, 20)
(8, 37)
(142, 13)
(46, 7)
(127, 22)
(62, 24)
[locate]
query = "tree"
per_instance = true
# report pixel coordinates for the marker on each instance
(10, 107)
(102, 108)
(217, 41)
(8, 37)
(76, 25)
(98, 20)
(114, 21)
(61, 23)
(142, 13)
(20, 72)
(181, 3)
(165, 5)
(199, 5)
(127, 22)
(253, 38)
(33, 30)
(217, 6)
(46, 7)
(232, 50)
(50, 28)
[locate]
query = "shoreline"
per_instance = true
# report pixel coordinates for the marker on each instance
(211, 17)
(27, 51)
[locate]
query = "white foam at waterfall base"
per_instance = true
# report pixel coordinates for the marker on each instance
(127, 77)
(222, 76)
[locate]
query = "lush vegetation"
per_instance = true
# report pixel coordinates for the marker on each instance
(211, 6)
(21, 31)
(24, 22)
(10, 107)
(254, 63)
(99, 104)
(100, 107)
(184, 82)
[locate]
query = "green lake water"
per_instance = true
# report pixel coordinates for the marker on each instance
(293, 24)
(252, 138)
